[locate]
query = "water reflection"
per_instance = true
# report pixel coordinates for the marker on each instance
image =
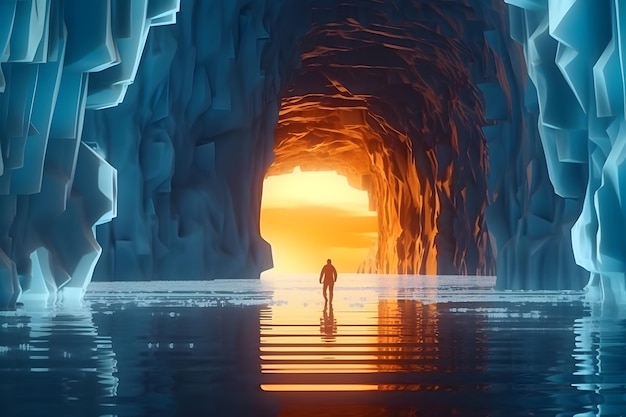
(54, 362)
(408, 339)
(328, 324)
(395, 354)
(600, 353)
(367, 350)
(186, 361)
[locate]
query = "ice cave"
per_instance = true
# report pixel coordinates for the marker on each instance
(486, 135)
(136, 137)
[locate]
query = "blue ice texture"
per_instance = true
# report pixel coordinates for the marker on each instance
(58, 59)
(575, 60)
(557, 154)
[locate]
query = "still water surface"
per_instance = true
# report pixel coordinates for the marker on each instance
(390, 346)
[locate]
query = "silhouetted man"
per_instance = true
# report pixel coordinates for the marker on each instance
(329, 276)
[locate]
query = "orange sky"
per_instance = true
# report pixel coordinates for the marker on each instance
(308, 217)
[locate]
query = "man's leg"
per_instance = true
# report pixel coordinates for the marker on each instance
(324, 290)
(330, 291)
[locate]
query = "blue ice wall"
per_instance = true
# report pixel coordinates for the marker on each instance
(185, 149)
(194, 137)
(459, 50)
(192, 142)
(58, 58)
(528, 221)
(575, 60)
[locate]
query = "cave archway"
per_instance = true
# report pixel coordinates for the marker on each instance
(386, 96)
(433, 86)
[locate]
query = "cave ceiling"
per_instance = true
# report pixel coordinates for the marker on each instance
(384, 96)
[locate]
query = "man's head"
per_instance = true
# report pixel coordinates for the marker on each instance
(328, 261)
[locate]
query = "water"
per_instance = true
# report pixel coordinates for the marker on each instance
(390, 346)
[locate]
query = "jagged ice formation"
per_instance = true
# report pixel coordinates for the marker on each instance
(191, 164)
(59, 58)
(416, 139)
(423, 104)
(575, 58)
(429, 106)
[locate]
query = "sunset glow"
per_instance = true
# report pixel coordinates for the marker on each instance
(357, 346)
(308, 217)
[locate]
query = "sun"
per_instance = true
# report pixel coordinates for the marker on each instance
(308, 217)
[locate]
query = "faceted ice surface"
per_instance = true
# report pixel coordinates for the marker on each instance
(201, 110)
(58, 58)
(573, 58)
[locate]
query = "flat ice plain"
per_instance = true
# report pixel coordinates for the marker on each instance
(390, 346)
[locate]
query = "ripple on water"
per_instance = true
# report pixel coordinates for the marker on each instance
(414, 346)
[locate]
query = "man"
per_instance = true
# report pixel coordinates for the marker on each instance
(329, 275)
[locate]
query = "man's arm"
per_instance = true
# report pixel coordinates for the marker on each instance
(335, 273)
(321, 274)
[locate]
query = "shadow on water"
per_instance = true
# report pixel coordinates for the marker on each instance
(366, 356)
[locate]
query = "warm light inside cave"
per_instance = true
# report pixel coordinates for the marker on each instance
(308, 217)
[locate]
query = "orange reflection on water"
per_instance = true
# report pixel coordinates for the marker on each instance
(319, 387)
(408, 338)
(352, 348)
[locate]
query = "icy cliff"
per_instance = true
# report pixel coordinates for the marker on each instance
(574, 55)
(529, 222)
(58, 58)
(426, 106)
(191, 143)
(482, 133)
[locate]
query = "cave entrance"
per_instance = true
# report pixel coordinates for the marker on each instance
(310, 216)
(390, 98)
